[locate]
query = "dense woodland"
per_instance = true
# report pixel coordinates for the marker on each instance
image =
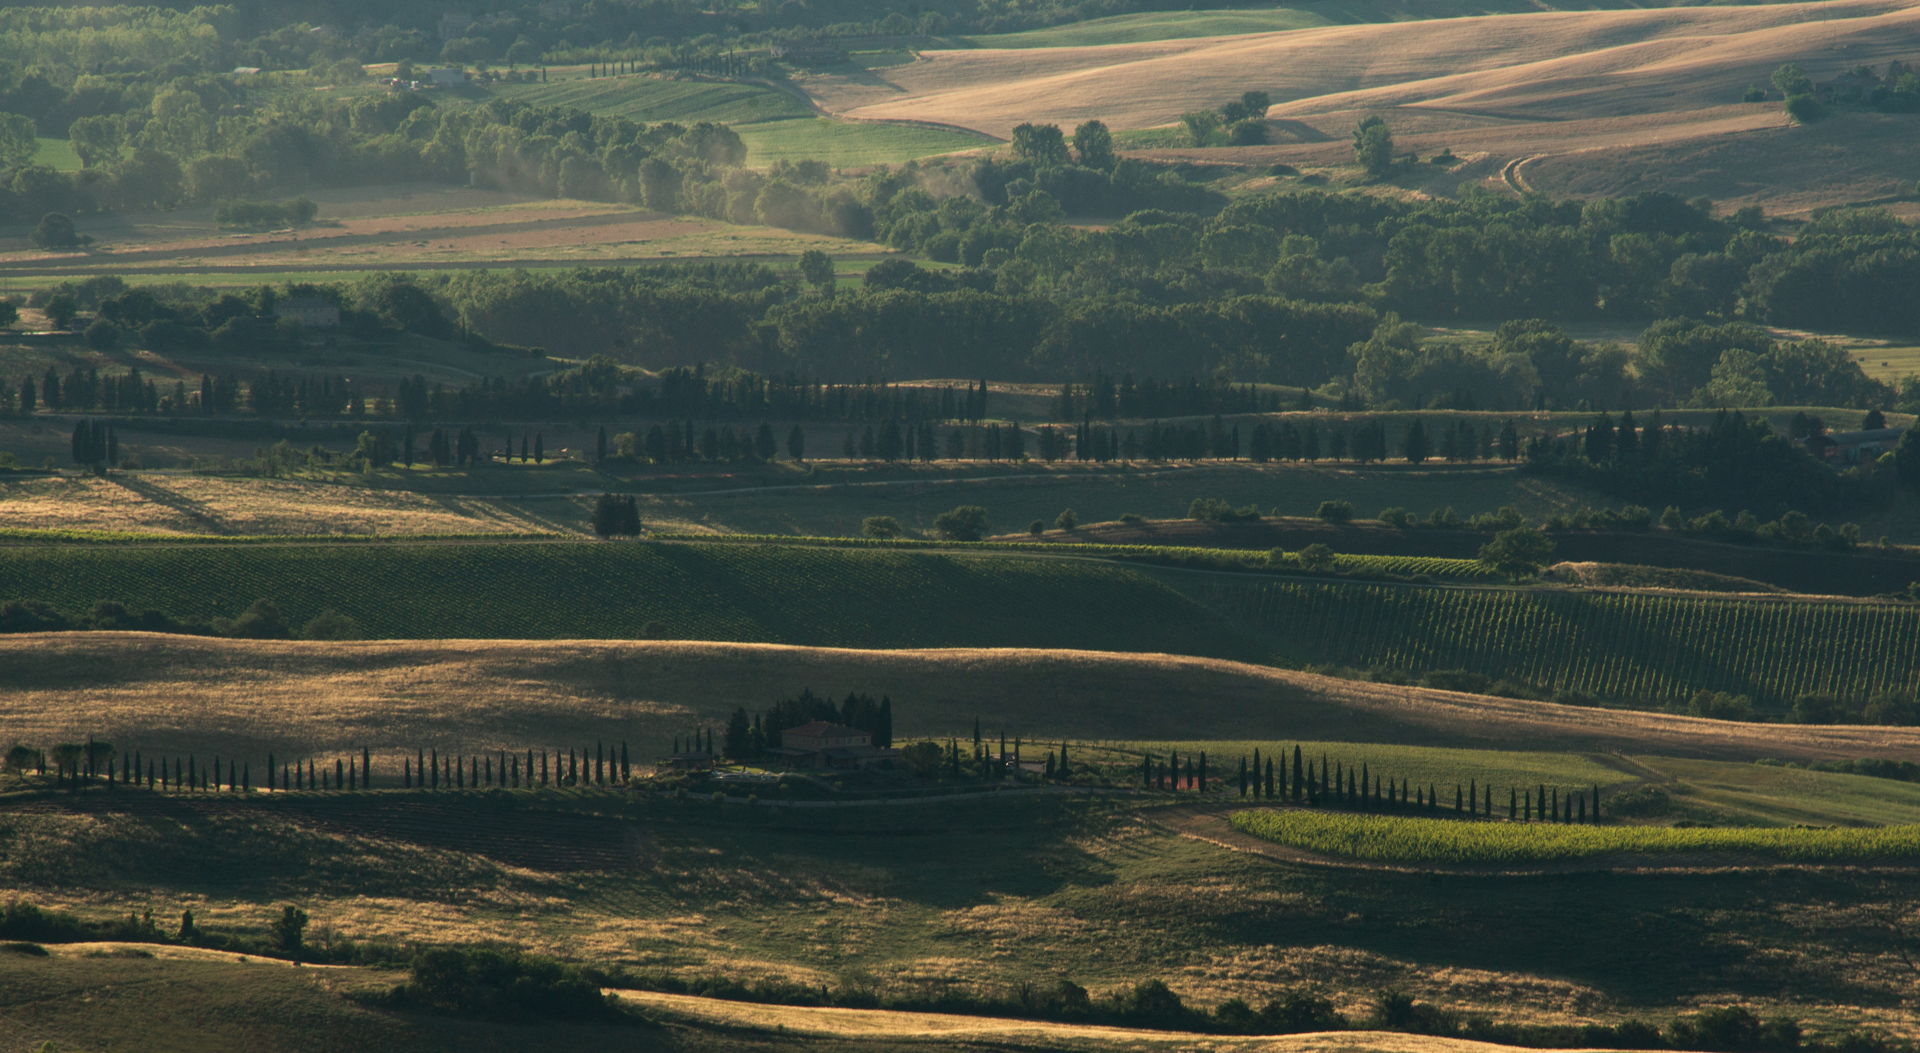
(1301, 286)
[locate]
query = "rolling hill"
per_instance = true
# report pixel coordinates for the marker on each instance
(1554, 93)
(173, 693)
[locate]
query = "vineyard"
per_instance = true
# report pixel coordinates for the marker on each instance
(1645, 649)
(1393, 839)
(1238, 559)
(552, 590)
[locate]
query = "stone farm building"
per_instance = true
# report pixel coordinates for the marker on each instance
(824, 745)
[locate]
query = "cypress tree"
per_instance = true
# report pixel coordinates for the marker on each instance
(406, 773)
(1581, 803)
(489, 771)
(1270, 777)
(1256, 771)
(366, 768)
(1065, 767)
(626, 766)
(543, 767)
(1242, 780)
(1487, 808)
(529, 766)
(338, 769)
(436, 770)
(1366, 784)
(516, 771)
(1297, 787)
(599, 771)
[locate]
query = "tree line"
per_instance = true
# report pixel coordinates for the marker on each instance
(99, 762)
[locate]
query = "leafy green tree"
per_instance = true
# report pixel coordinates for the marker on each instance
(1067, 519)
(816, 269)
(1093, 145)
(1906, 459)
(331, 625)
(1791, 80)
(56, 231)
(964, 523)
(261, 620)
(1201, 125)
(1373, 146)
(1041, 145)
(1247, 132)
(19, 140)
(1316, 557)
(1256, 103)
(1335, 511)
(61, 309)
(289, 930)
(880, 527)
(1518, 553)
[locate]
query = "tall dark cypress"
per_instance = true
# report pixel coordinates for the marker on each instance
(1270, 782)
(1298, 781)
(366, 769)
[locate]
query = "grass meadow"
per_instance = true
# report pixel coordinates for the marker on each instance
(1396, 839)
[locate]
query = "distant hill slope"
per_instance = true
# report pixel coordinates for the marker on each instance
(1865, 571)
(1638, 649)
(1522, 87)
(169, 693)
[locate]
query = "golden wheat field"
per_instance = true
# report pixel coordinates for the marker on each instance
(193, 504)
(181, 693)
(1537, 100)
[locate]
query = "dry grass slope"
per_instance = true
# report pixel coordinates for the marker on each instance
(1531, 86)
(168, 693)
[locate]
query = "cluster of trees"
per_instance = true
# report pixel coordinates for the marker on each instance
(747, 736)
(1733, 461)
(244, 214)
(261, 620)
(1242, 122)
(616, 515)
(1861, 87)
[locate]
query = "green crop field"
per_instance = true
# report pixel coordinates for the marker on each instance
(57, 154)
(1419, 765)
(1498, 843)
(650, 99)
(1643, 648)
(775, 125)
(544, 590)
(849, 144)
(1773, 794)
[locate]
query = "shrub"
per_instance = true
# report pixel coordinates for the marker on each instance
(261, 620)
(880, 527)
(1457, 680)
(1216, 510)
(1316, 557)
(964, 523)
(1335, 511)
(502, 984)
(1067, 519)
(1396, 517)
(331, 625)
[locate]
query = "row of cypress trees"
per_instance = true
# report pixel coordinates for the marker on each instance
(428, 769)
(1333, 782)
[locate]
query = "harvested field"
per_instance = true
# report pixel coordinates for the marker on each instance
(1584, 98)
(191, 504)
(184, 693)
(411, 230)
